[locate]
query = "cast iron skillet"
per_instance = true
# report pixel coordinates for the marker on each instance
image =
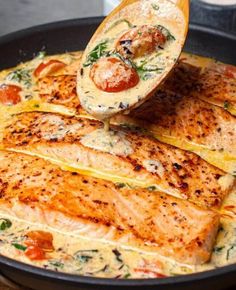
(70, 36)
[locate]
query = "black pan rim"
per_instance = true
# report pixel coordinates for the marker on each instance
(217, 6)
(46, 26)
(93, 20)
(72, 278)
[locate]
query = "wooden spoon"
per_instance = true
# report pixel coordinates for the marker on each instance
(130, 54)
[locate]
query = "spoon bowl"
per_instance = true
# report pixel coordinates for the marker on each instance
(130, 54)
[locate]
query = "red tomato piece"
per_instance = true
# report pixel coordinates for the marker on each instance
(47, 68)
(110, 74)
(139, 41)
(41, 239)
(152, 268)
(230, 71)
(151, 272)
(35, 253)
(9, 94)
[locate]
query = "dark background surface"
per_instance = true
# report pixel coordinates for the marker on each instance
(19, 14)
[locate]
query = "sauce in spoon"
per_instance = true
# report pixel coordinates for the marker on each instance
(130, 55)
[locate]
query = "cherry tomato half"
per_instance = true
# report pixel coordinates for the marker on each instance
(47, 68)
(111, 74)
(139, 41)
(42, 239)
(35, 253)
(9, 94)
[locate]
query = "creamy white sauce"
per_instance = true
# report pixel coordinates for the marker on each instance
(110, 141)
(22, 74)
(102, 104)
(154, 166)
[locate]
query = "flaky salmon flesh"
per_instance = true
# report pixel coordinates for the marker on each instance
(146, 163)
(205, 79)
(191, 124)
(34, 189)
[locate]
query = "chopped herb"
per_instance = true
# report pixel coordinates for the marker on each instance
(130, 186)
(104, 268)
(126, 269)
(98, 51)
(5, 224)
(21, 76)
(146, 71)
(230, 250)
(83, 258)
(123, 105)
(36, 106)
(100, 270)
(118, 22)
(155, 6)
(226, 105)
(28, 97)
(166, 32)
(92, 251)
(218, 249)
(57, 264)
(120, 185)
(126, 276)
(41, 54)
(83, 255)
(19, 247)
(146, 76)
(118, 255)
(151, 188)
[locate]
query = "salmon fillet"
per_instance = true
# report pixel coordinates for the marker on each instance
(34, 189)
(214, 83)
(218, 89)
(147, 163)
(209, 131)
(183, 78)
(191, 124)
(60, 90)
